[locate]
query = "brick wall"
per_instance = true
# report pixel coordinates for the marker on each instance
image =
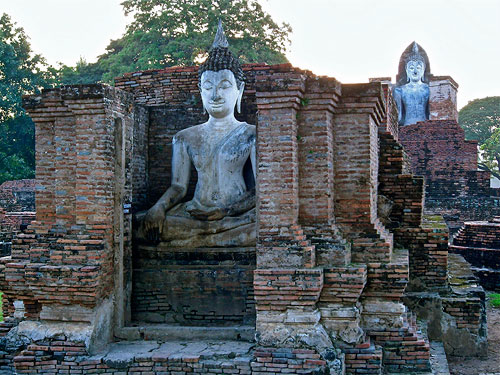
(443, 98)
(203, 287)
(67, 256)
(454, 187)
(438, 146)
(479, 243)
(18, 195)
(42, 358)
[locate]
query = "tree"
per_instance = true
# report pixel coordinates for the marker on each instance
(179, 32)
(21, 72)
(480, 119)
(83, 73)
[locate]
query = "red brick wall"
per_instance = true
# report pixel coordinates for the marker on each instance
(454, 187)
(438, 146)
(18, 195)
(67, 255)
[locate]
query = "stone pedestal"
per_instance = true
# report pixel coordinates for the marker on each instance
(196, 287)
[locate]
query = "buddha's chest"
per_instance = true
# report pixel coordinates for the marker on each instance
(229, 152)
(415, 96)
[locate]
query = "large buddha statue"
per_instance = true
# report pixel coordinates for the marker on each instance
(412, 91)
(222, 211)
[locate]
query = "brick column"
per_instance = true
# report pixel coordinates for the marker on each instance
(286, 286)
(62, 267)
(280, 242)
(316, 171)
(356, 171)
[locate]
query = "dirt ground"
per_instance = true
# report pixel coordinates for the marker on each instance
(489, 365)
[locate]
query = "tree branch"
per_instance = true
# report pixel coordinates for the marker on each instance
(483, 167)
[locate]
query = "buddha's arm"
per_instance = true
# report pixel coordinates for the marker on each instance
(252, 160)
(181, 166)
(399, 104)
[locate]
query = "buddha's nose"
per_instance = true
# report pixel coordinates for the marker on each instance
(215, 95)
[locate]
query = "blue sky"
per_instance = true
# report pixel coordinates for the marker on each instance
(351, 40)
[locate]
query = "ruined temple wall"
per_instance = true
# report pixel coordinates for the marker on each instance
(438, 147)
(356, 131)
(455, 188)
(425, 238)
(66, 256)
(18, 195)
(443, 98)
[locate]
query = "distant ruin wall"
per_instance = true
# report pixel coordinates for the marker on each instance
(454, 187)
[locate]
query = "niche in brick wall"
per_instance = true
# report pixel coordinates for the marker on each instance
(205, 287)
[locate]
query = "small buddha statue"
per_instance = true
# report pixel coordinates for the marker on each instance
(412, 98)
(222, 211)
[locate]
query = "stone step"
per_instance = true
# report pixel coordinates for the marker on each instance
(166, 332)
(439, 363)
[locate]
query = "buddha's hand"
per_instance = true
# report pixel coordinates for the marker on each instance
(210, 214)
(153, 223)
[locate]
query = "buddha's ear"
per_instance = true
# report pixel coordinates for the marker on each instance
(240, 95)
(202, 104)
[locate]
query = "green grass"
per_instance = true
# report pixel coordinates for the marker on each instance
(494, 299)
(1, 305)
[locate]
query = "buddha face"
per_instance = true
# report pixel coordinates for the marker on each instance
(219, 92)
(415, 70)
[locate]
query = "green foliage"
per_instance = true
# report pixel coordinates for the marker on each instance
(21, 72)
(494, 299)
(180, 32)
(83, 73)
(481, 121)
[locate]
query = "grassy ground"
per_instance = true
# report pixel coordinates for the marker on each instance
(494, 299)
(1, 310)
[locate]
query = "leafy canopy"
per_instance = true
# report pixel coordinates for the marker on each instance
(179, 32)
(21, 72)
(481, 121)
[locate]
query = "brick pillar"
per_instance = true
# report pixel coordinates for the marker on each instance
(62, 267)
(443, 98)
(286, 286)
(280, 242)
(356, 171)
(316, 171)
(315, 144)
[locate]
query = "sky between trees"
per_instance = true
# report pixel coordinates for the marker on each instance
(351, 40)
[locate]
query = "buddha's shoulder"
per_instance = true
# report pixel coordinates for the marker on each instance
(248, 128)
(193, 132)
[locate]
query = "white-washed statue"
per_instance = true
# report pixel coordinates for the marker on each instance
(411, 92)
(222, 211)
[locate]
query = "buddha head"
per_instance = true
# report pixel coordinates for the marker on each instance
(415, 66)
(220, 79)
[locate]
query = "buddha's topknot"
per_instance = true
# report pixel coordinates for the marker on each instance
(220, 58)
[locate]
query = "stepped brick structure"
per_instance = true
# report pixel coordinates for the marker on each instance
(18, 195)
(341, 234)
(479, 243)
(17, 210)
(455, 188)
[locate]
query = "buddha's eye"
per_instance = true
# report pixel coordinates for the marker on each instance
(207, 87)
(225, 85)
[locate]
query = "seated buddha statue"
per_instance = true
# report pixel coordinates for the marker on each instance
(412, 98)
(222, 211)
